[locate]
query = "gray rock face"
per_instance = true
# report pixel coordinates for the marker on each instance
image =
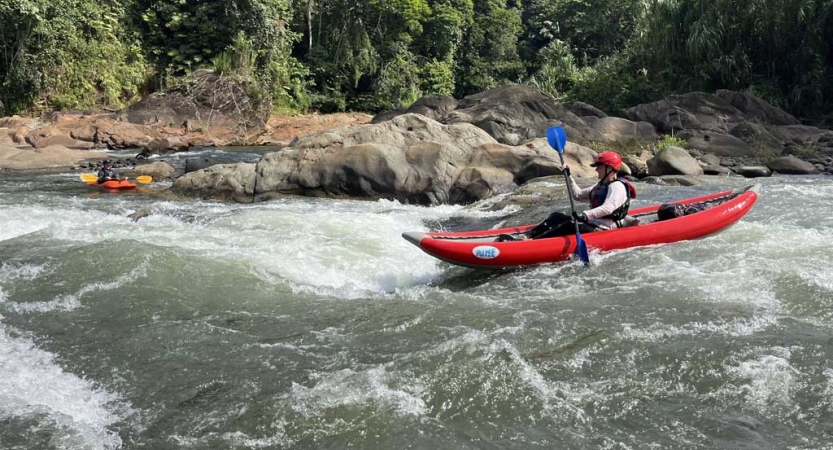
(717, 143)
(42, 158)
(583, 110)
(753, 171)
(756, 109)
(674, 161)
(618, 129)
(716, 113)
(220, 181)
(409, 158)
(792, 165)
(194, 164)
(513, 114)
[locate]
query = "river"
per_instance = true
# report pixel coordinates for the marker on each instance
(304, 323)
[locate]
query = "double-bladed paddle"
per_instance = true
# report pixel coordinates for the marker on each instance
(557, 138)
(91, 178)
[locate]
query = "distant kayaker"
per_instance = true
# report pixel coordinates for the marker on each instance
(107, 173)
(609, 200)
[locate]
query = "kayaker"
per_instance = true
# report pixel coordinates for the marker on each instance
(107, 173)
(609, 200)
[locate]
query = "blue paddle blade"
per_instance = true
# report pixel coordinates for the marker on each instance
(557, 138)
(581, 249)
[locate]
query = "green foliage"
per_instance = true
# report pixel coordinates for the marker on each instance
(558, 72)
(437, 77)
(805, 151)
(335, 55)
(590, 29)
(489, 53)
(669, 140)
(70, 53)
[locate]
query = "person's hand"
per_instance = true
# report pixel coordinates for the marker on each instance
(566, 170)
(580, 217)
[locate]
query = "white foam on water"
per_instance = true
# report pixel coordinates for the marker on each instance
(14, 271)
(770, 379)
(19, 221)
(69, 302)
(32, 385)
(372, 387)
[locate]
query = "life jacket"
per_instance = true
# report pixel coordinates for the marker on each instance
(599, 193)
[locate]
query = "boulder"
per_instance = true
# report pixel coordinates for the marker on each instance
(752, 171)
(585, 110)
(756, 109)
(715, 169)
(194, 164)
(710, 159)
(52, 135)
(617, 129)
(6, 137)
(44, 158)
(409, 158)
(231, 181)
(758, 137)
(799, 134)
(719, 144)
(435, 107)
(792, 165)
(692, 111)
(673, 161)
(638, 164)
(159, 170)
(168, 144)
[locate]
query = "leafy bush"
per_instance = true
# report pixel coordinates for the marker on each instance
(669, 140)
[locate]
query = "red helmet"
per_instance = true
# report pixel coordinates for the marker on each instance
(608, 158)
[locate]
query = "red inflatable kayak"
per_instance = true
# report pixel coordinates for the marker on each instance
(113, 184)
(479, 250)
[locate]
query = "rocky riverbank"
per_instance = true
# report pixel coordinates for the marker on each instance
(438, 150)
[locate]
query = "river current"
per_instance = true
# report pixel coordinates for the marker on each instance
(304, 323)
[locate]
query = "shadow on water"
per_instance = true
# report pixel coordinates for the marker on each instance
(458, 279)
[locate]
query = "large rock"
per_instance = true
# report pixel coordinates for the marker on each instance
(618, 129)
(195, 164)
(792, 165)
(158, 170)
(51, 135)
(713, 113)
(6, 137)
(228, 181)
(516, 113)
(673, 161)
(434, 107)
(752, 171)
(719, 144)
(756, 109)
(585, 110)
(409, 158)
(513, 114)
(44, 158)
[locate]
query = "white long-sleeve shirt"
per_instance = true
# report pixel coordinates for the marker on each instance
(617, 195)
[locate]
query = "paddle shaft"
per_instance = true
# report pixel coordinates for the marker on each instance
(569, 190)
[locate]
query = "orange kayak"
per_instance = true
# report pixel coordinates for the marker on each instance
(113, 184)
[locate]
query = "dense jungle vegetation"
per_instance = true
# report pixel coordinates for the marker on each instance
(372, 55)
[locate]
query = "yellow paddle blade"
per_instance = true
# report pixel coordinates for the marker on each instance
(144, 179)
(88, 177)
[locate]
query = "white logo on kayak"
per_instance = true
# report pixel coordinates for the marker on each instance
(485, 252)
